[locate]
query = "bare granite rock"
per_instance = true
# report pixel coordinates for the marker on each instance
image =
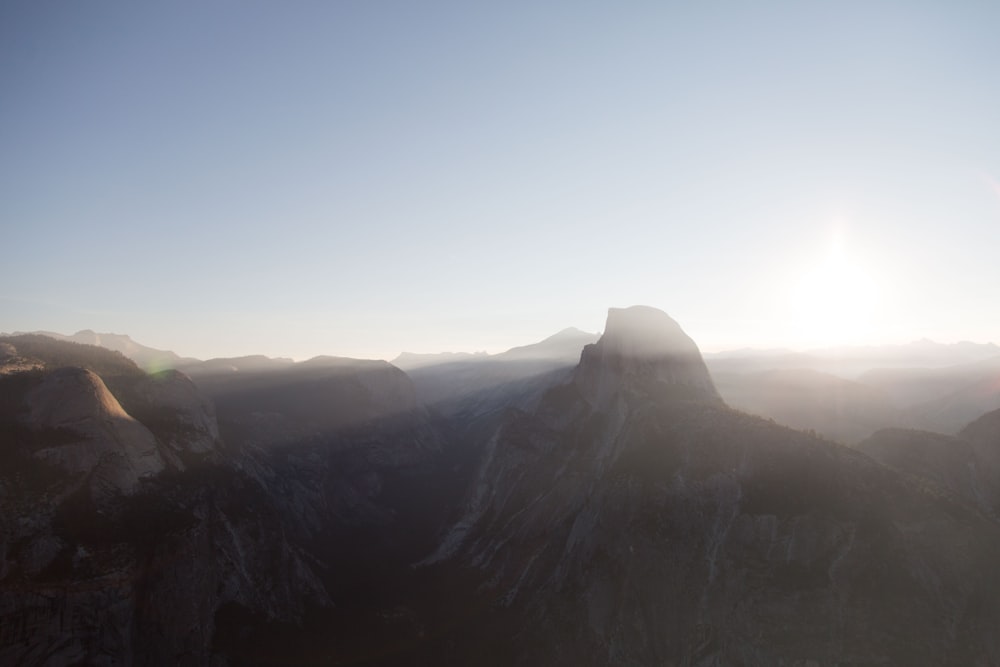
(108, 444)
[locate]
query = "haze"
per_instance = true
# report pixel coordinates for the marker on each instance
(363, 178)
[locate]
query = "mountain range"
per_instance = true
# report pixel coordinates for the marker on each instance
(590, 500)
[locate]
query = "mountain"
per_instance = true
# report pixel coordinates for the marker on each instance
(480, 384)
(851, 361)
(843, 410)
(967, 464)
(849, 393)
(633, 518)
(409, 361)
(563, 346)
(137, 527)
(147, 358)
(911, 386)
(127, 525)
(596, 506)
(942, 399)
(946, 460)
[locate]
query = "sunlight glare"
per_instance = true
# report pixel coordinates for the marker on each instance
(835, 300)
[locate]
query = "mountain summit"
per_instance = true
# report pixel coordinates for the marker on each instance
(643, 350)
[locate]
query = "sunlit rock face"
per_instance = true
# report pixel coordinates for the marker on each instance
(104, 440)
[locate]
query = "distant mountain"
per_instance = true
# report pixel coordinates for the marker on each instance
(849, 393)
(224, 365)
(409, 361)
(851, 361)
(942, 399)
(478, 384)
(276, 402)
(842, 410)
(147, 358)
(564, 346)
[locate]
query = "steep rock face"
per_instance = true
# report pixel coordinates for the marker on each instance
(643, 350)
(118, 450)
(171, 396)
(145, 580)
(634, 519)
(108, 555)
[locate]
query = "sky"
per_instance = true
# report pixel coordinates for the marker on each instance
(361, 178)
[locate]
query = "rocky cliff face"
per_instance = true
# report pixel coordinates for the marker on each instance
(137, 529)
(171, 396)
(105, 443)
(634, 519)
(645, 352)
(622, 515)
(122, 539)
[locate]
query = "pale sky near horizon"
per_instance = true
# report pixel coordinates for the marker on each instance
(361, 178)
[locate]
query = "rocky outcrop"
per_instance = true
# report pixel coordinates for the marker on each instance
(634, 519)
(171, 396)
(108, 555)
(104, 443)
(146, 579)
(643, 351)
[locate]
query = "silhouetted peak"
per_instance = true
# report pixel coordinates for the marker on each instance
(643, 349)
(563, 346)
(328, 361)
(568, 332)
(643, 332)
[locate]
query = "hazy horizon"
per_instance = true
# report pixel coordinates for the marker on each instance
(222, 353)
(365, 179)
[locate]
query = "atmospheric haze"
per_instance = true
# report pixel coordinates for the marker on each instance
(361, 179)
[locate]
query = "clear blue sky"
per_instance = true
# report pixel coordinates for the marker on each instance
(361, 178)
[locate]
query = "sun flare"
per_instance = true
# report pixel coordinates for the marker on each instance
(835, 300)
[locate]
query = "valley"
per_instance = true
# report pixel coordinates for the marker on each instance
(592, 499)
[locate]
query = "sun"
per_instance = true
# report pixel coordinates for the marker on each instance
(835, 300)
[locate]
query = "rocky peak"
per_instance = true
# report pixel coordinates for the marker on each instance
(108, 443)
(643, 350)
